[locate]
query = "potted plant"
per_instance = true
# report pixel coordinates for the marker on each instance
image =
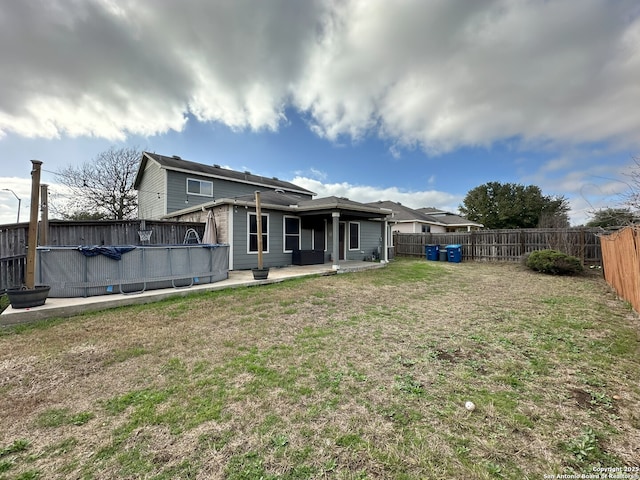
(25, 297)
(262, 272)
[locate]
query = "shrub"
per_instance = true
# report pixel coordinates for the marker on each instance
(554, 263)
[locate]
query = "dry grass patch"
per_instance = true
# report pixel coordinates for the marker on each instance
(350, 376)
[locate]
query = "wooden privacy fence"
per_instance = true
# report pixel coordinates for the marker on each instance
(507, 245)
(14, 240)
(620, 256)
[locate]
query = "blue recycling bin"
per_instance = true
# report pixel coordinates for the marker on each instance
(454, 253)
(432, 252)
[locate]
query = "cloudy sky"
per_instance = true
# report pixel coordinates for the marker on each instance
(413, 101)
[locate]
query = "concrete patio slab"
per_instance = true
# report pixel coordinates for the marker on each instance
(67, 307)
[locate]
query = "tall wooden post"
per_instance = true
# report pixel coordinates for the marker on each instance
(259, 226)
(30, 280)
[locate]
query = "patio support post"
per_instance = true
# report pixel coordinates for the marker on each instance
(335, 217)
(384, 254)
(259, 222)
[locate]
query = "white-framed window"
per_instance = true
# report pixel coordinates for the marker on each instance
(252, 232)
(199, 187)
(354, 236)
(291, 232)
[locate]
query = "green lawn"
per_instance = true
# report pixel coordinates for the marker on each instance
(354, 376)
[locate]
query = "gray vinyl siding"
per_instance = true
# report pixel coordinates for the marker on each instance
(370, 239)
(177, 190)
(275, 258)
(151, 193)
(177, 197)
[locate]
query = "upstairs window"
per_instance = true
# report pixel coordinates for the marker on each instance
(199, 187)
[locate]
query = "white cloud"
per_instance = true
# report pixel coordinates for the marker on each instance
(366, 194)
(318, 174)
(559, 163)
(436, 75)
(447, 74)
(58, 197)
(9, 204)
(588, 187)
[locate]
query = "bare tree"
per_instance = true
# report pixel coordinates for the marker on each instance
(103, 186)
(631, 198)
(612, 217)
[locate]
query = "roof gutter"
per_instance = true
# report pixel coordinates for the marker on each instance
(272, 206)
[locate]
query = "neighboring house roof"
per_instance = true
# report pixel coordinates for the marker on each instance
(432, 211)
(448, 218)
(430, 215)
(215, 171)
(402, 214)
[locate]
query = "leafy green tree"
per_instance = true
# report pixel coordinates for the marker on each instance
(509, 205)
(612, 217)
(103, 187)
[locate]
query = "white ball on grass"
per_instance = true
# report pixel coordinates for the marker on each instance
(469, 405)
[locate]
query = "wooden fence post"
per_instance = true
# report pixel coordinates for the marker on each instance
(473, 245)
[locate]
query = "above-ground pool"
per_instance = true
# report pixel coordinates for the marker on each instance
(84, 271)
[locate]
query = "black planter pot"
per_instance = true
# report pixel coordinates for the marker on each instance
(260, 273)
(28, 297)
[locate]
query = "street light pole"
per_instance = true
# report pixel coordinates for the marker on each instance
(19, 202)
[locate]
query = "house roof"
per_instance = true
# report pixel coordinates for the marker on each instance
(295, 204)
(176, 163)
(341, 203)
(269, 197)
